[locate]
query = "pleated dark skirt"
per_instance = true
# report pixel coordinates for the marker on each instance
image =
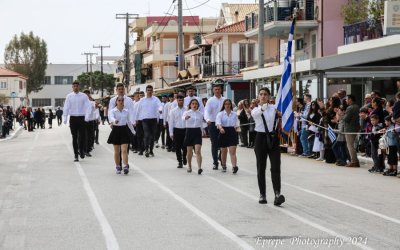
(229, 139)
(119, 135)
(193, 137)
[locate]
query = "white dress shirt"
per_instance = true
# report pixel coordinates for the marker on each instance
(91, 112)
(187, 100)
(148, 108)
(195, 120)
(225, 120)
(166, 111)
(175, 119)
(128, 105)
(76, 104)
(161, 110)
(269, 114)
(120, 118)
(212, 108)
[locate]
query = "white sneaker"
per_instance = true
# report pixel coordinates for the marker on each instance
(320, 159)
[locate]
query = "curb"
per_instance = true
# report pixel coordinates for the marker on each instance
(14, 135)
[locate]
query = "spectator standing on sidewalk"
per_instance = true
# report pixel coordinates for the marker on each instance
(59, 114)
(351, 125)
(392, 141)
(379, 165)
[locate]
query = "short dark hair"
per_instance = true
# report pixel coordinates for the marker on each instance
(180, 97)
(265, 89)
(364, 110)
(374, 116)
(352, 97)
(190, 87)
(120, 85)
(149, 87)
(217, 86)
(141, 93)
(308, 95)
(75, 82)
(388, 118)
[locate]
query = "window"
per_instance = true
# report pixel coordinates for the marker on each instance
(3, 83)
(59, 102)
(313, 46)
(250, 52)
(41, 102)
(21, 85)
(47, 80)
(63, 80)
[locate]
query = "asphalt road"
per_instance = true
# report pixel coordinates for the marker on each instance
(49, 202)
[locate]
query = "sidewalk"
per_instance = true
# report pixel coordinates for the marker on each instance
(13, 133)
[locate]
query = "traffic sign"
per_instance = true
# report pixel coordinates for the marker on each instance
(13, 94)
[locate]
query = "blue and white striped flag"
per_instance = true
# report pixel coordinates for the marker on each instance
(284, 98)
(331, 134)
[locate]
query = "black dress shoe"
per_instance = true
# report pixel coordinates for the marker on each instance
(215, 167)
(82, 155)
(184, 162)
(235, 169)
(180, 165)
(151, 154)
(200, 171)
(147, 154)
(76, 158)
(140, 153)
(279, 200)
(263, 199)
(88, 155)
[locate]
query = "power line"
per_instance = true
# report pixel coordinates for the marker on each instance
(197, 6)
(101, 47)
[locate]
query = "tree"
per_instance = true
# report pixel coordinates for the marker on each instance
(97, 78)
(3, 99)
(27, 55)
(355, 11)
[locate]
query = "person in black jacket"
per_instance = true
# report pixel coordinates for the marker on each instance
(244, 122)
(50, 118)
(59, 114)
(314, 117)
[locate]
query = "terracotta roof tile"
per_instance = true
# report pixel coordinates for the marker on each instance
(9, 73)
(233, 28)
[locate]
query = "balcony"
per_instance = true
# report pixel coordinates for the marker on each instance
(362, 31)
(138, 46)
(278, 18)
(138, 24)
(160, 56)
(222, 68)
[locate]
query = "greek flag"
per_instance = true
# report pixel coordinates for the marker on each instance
(331, 134)
(284, 98)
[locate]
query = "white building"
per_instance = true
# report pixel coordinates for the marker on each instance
(58, 81)
(13, 88)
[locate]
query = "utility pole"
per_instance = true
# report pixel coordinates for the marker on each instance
(127, 16)
(181, 58)
(101, 47)
(89, 54)
(261, 19)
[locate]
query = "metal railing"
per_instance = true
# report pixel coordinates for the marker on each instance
(282, 10)
(362, 31)
(222, 68)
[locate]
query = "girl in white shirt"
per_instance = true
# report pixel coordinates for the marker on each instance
(119, 136)
(194, 131)
(227, 123)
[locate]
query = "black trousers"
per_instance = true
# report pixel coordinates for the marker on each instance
(212, 129)
(169, 142)
(262, 154)
(149, 129)
(180, 149)
(89, 126)
(244, 131)
(77, 126)
(96, 131)
(59, 120)
(160, 132)
(139, 136)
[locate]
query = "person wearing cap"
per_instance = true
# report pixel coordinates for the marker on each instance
(213, 106)
(267, 145)
(76, 106)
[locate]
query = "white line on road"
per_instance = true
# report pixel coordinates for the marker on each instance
(365, 210)
(218, 227)
(111, 240)
(293, 215)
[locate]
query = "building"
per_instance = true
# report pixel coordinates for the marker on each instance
(154, 52)
(13, 88)
(58, 81)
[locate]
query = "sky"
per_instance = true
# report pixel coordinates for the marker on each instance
(72, 27)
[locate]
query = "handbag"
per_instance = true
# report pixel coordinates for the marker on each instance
(383, 142)
(268, 134)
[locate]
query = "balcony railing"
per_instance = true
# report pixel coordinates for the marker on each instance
(282, 10)
(362, 31)
(222, 68)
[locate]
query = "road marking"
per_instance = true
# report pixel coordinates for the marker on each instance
(218, 227)
(111, 240)
(293, 215)
(365, 210)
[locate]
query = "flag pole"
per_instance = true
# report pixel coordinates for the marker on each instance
(294, 86)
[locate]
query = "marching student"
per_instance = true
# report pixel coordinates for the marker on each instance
(76, 107)
(90, 119)
(139, 125)
(166, 111)
(121, 125)
(190, 96)
(177, 131)
(194, 131)
(160, 124)
(227, 123)
(148, 113)
(267, 144)
(211, 110)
